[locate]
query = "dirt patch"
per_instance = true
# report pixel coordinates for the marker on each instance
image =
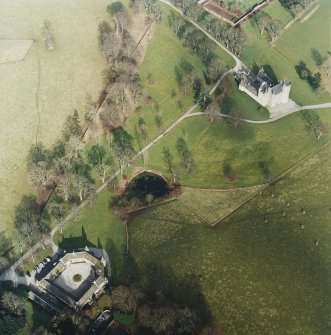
(13, 50)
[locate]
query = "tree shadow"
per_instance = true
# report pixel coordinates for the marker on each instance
(184, 290)
(117, 262)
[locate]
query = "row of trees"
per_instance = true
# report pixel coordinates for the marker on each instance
(156, 313)
(234, 38)
(190, 36)
(295, 6)
(122, 87)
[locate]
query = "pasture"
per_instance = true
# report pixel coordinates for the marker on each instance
(257, 272)
(38, 92)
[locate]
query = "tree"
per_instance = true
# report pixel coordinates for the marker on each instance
(184, 153)
(313, 122)
(28, 210)
(72, 126)
(197, 88)
(47, 31)
(216, 69)
(41, 174)
(262, 20)
(187, 321)
(204, 100)
(318, 58)
(274, 28)
(212, 113)
(37, 153)
(122, 145)
(168, 158)
(126, 299)
(142, 127)
(64, 186)
(115, 7)
(158, 120)
(96, 154)
(62, 324)
(82, 186)
(161, 320)
(13, 303)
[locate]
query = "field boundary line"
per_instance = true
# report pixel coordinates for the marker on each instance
(293, 167)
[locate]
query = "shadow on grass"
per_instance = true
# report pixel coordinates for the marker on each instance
(183, 290)
(75, 242)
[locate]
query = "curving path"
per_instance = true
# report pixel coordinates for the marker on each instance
(294, 110)
(239, 63)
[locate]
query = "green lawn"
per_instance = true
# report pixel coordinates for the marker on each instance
(253, 277)
(248, 107)
(97, 227)
(281, 144)
(164, 52)
(278, 12)
(294, 45)
(315, 32)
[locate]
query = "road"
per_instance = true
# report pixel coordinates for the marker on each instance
(239, 63)
(294, 110)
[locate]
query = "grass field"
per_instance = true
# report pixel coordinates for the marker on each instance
(253, 276)
(248, 107)
(97, 227)
(164, 52)
(280, 144)
(59, 80)
(318, 27)
(313, 33)
(278, 12)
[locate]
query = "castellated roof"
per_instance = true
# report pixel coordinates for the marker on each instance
(72, 280)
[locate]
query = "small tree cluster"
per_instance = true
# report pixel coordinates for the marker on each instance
(153, 7)
(267, 24)
(295, 6)
(156, 313)
(12, 310)
(313, 79)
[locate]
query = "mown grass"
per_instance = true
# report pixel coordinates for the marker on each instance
(280, 144)
(283, 58)
(278, 12)
(257, 276)
(303, 36)
(97, 227)
(248, 107)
